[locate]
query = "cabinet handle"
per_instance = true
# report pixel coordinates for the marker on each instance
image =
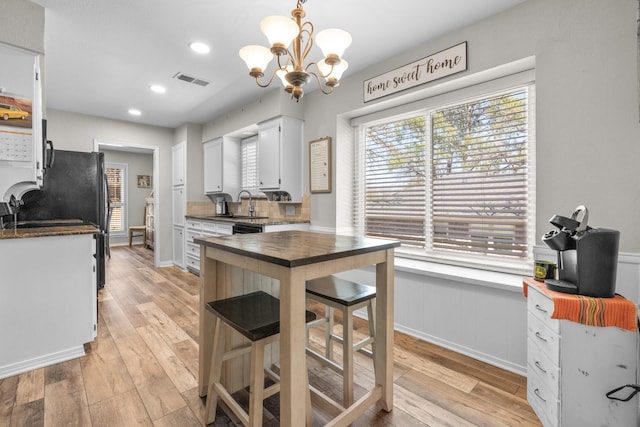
(537, 393)
(540, 308)
(539, 366)
(540, 337)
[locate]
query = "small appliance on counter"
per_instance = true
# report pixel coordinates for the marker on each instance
(587, 257)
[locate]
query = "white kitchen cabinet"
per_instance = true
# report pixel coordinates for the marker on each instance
(178, 246)
(178, 163)
(222, 166)
(571, 366)
(202, 228)
(48, 300)
(280, 157)
(179, 203)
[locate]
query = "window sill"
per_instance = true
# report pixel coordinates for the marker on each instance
(473, 276)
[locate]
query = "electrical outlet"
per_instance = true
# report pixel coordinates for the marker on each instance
(290, 210)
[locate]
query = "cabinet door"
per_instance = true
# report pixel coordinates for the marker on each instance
(178, 158)
(213, 166)
(178, 246)
(178, 206)
(269, 156)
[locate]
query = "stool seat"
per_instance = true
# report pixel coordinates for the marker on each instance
(346, 296)
(343, 292)
(255, 315)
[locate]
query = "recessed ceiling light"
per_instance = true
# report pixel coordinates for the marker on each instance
(134, 112)
(157, 88)
(199, 47)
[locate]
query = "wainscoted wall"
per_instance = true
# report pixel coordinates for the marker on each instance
(485, 322)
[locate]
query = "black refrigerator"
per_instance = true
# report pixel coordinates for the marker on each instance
(75, 188)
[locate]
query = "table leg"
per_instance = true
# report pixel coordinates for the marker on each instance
(293, 367)
(208, 292)
(384, 329)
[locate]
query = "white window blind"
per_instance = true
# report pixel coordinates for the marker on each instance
(450, 183)
(117, 184)
(250, 163)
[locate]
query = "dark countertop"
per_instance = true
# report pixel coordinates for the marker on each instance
(296, 248)
(64, 230)
(245, 220)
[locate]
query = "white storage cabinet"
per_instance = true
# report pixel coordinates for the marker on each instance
(280, 157)
(222, 166)
(571, 366)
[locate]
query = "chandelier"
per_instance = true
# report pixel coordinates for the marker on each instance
(283, 32)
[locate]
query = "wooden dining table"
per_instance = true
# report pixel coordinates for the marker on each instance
(292, 257)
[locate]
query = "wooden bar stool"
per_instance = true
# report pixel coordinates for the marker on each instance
(346, 296)
(257, 317)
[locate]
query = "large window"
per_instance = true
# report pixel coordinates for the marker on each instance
(117, 185)
(451, 183)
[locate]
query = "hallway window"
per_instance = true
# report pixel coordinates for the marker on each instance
(117, 185)
(451, 183)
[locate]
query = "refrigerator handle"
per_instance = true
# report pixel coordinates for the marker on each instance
(51, 157)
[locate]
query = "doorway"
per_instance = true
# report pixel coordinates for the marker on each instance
(141, 184)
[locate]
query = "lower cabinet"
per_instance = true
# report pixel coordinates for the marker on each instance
(571, 366)
(178, 246)
(202, 228)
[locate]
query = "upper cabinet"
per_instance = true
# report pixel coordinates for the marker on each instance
(222, 166)
(179, 152)
(280, 159)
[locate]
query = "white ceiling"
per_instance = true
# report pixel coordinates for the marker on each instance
(102, 55)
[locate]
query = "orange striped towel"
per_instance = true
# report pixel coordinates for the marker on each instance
(617, 311)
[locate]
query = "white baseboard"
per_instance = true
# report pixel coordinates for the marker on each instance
(40, 362)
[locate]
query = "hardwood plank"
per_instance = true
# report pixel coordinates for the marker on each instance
(122, 410)
(30, 386)
(8, 388)
(105, 378)
(183, 417)
(176, 370)
(66, 403)
(28, 415)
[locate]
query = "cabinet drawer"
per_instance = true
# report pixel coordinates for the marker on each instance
(542, 307)
(208, 227)
(545, 405)
(193, 250)
(191, 234)
(193, 263)
(540, 365)
(225, 229)
(547, 341)
(194, 224)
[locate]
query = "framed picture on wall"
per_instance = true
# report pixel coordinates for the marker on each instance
(320, 165)
(144, 181)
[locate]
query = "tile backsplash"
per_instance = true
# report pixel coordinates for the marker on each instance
(262, 207)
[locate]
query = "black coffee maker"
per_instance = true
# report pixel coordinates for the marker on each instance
(587, 257)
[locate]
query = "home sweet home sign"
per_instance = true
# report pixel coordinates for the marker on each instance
(433, 67)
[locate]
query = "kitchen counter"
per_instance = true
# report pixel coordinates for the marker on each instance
(246, 220)
(64, 230)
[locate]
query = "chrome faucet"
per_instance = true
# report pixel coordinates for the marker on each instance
(251, 212)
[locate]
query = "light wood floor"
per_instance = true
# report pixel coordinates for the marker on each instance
(142, 369)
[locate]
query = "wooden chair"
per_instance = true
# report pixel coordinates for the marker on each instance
(139, 229)
(346, 296)
(257, 317)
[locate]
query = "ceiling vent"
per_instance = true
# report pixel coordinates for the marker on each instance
(191, 79)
